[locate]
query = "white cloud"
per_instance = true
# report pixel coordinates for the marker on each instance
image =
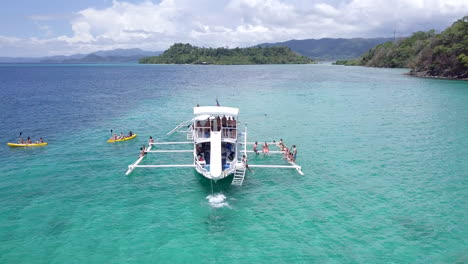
(155, 26)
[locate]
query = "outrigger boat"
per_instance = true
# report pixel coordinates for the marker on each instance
(218, 145)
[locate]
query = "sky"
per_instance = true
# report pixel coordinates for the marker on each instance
(30, 28)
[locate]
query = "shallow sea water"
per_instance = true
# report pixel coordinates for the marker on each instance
(385, 158)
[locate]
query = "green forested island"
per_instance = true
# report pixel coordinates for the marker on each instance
(428, 54)
(187, 54)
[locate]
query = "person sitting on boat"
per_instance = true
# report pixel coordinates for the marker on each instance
(29, 141)
(114, 137)
(266, 150)
(281, 143)
(142, 152)
(255, 145)
(151, 140)
(121, 135)
(286, 153)
(130, 134)
(201, 159)
(284, 148)
(20, 140)
(245, 163)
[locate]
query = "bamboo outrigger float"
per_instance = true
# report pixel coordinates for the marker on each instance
(217, 145)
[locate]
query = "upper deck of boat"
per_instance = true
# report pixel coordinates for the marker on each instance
(215, 118)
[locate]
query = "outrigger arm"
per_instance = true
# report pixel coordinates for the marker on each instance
(137, 162)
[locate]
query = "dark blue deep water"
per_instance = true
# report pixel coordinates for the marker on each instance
(385, 158)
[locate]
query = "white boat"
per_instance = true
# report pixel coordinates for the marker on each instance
(218, 145)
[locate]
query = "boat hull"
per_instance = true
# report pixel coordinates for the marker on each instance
(27, 145)
(205, 173)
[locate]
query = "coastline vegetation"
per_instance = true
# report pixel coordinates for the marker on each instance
(180, 53)
(427, 54)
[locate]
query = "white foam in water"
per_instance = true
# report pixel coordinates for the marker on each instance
(217, 200)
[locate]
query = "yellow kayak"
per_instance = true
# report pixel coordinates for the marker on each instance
(123, 139)
(27, 145)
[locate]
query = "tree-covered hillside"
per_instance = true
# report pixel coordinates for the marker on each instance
(187, 54)
(446, 55)
(330, 48)
(427, 54)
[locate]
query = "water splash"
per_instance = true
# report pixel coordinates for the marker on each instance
(217, 200)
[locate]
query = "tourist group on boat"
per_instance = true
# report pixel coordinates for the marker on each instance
(289, 154)
(121, 136)
(226, 124)
(29, 141)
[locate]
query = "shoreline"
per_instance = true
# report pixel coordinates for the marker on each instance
(422, 75)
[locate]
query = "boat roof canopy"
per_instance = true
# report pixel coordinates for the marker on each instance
(215, 110)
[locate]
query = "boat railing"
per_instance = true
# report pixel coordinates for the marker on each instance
(204, 132)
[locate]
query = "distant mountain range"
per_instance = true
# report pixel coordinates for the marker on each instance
(104, 56)
(317, 49)
(329, 48)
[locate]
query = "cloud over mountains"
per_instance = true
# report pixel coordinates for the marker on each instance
(155, 25)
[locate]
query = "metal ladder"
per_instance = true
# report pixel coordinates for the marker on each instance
(239, 175)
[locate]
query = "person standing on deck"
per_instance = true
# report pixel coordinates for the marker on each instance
(224, 126)
(244, 161)
(266, 150)
(294, 153)
(255, 145)
(228, 126)
(234, 128)
(218, 123)
(206, 130)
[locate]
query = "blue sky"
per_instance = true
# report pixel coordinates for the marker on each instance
(53, 27)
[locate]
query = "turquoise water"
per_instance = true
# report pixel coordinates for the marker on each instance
(385, 158)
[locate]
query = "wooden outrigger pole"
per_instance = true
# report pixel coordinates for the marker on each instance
(292, 166)
(148, 150)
